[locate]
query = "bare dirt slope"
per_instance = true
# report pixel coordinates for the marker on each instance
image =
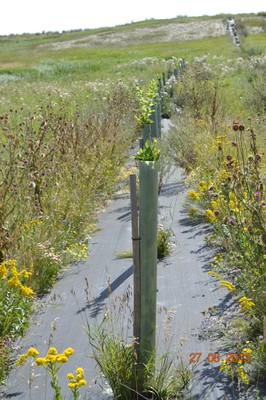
(158, 33)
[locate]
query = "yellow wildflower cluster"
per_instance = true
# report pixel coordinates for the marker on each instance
(191, 178)
(210, 216)
(217, 203)
(222, 138)
(75, 382)
(200, 122)
(126, 172)
(192, 212)
(215, 274)
(233, 202)
(78, 250)
(193, 195)
(203, 186)
(14, 278)
(235, 370)
(222, 175)
(247, 350)
(228, 285)
(242, 376)
(220, 141)
(52, 362)
(218, 258)
(31, 224)
(52, 356)
(246, 303)
(226, 367)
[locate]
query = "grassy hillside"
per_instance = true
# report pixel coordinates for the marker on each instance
(99, 53)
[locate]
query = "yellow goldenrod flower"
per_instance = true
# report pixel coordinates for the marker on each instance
(14, 282)
(52, 351)
(51, 358)
(246, 303)
(79, 250)
(8, 270)
(24, 274)
(192, 212)
(22, 359)
(202, 186)
(242, 376)
(193, 195)
(3, 270)
(210, 216)
(80, 371)
(72, 385)
(75, 383)
(82, 382)
(32, 352)
(218, 258)
(223, 366)
(228, 285)
(213, 273)
(247, 350)
(61, 358)
(68, 352)
(232, 204)
(26, 291)
(232, 200)
(41, 361)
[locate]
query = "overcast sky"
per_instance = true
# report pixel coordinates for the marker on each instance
(20, 16)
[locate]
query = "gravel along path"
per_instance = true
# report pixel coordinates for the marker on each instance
(83, 291)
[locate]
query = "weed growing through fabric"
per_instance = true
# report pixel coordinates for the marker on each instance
(117, 360)
(164, 242)
(114, 350)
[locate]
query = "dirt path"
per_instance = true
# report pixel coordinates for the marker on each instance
(183, 286)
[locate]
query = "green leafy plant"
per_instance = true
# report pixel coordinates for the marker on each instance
(147, 101)
(149, 152)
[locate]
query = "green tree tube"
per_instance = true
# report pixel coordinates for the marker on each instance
(148, 222)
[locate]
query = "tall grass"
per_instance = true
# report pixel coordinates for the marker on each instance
(225, 161)
(163, 377)
(59, 165)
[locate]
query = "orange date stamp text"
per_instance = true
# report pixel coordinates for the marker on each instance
(217, 357)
